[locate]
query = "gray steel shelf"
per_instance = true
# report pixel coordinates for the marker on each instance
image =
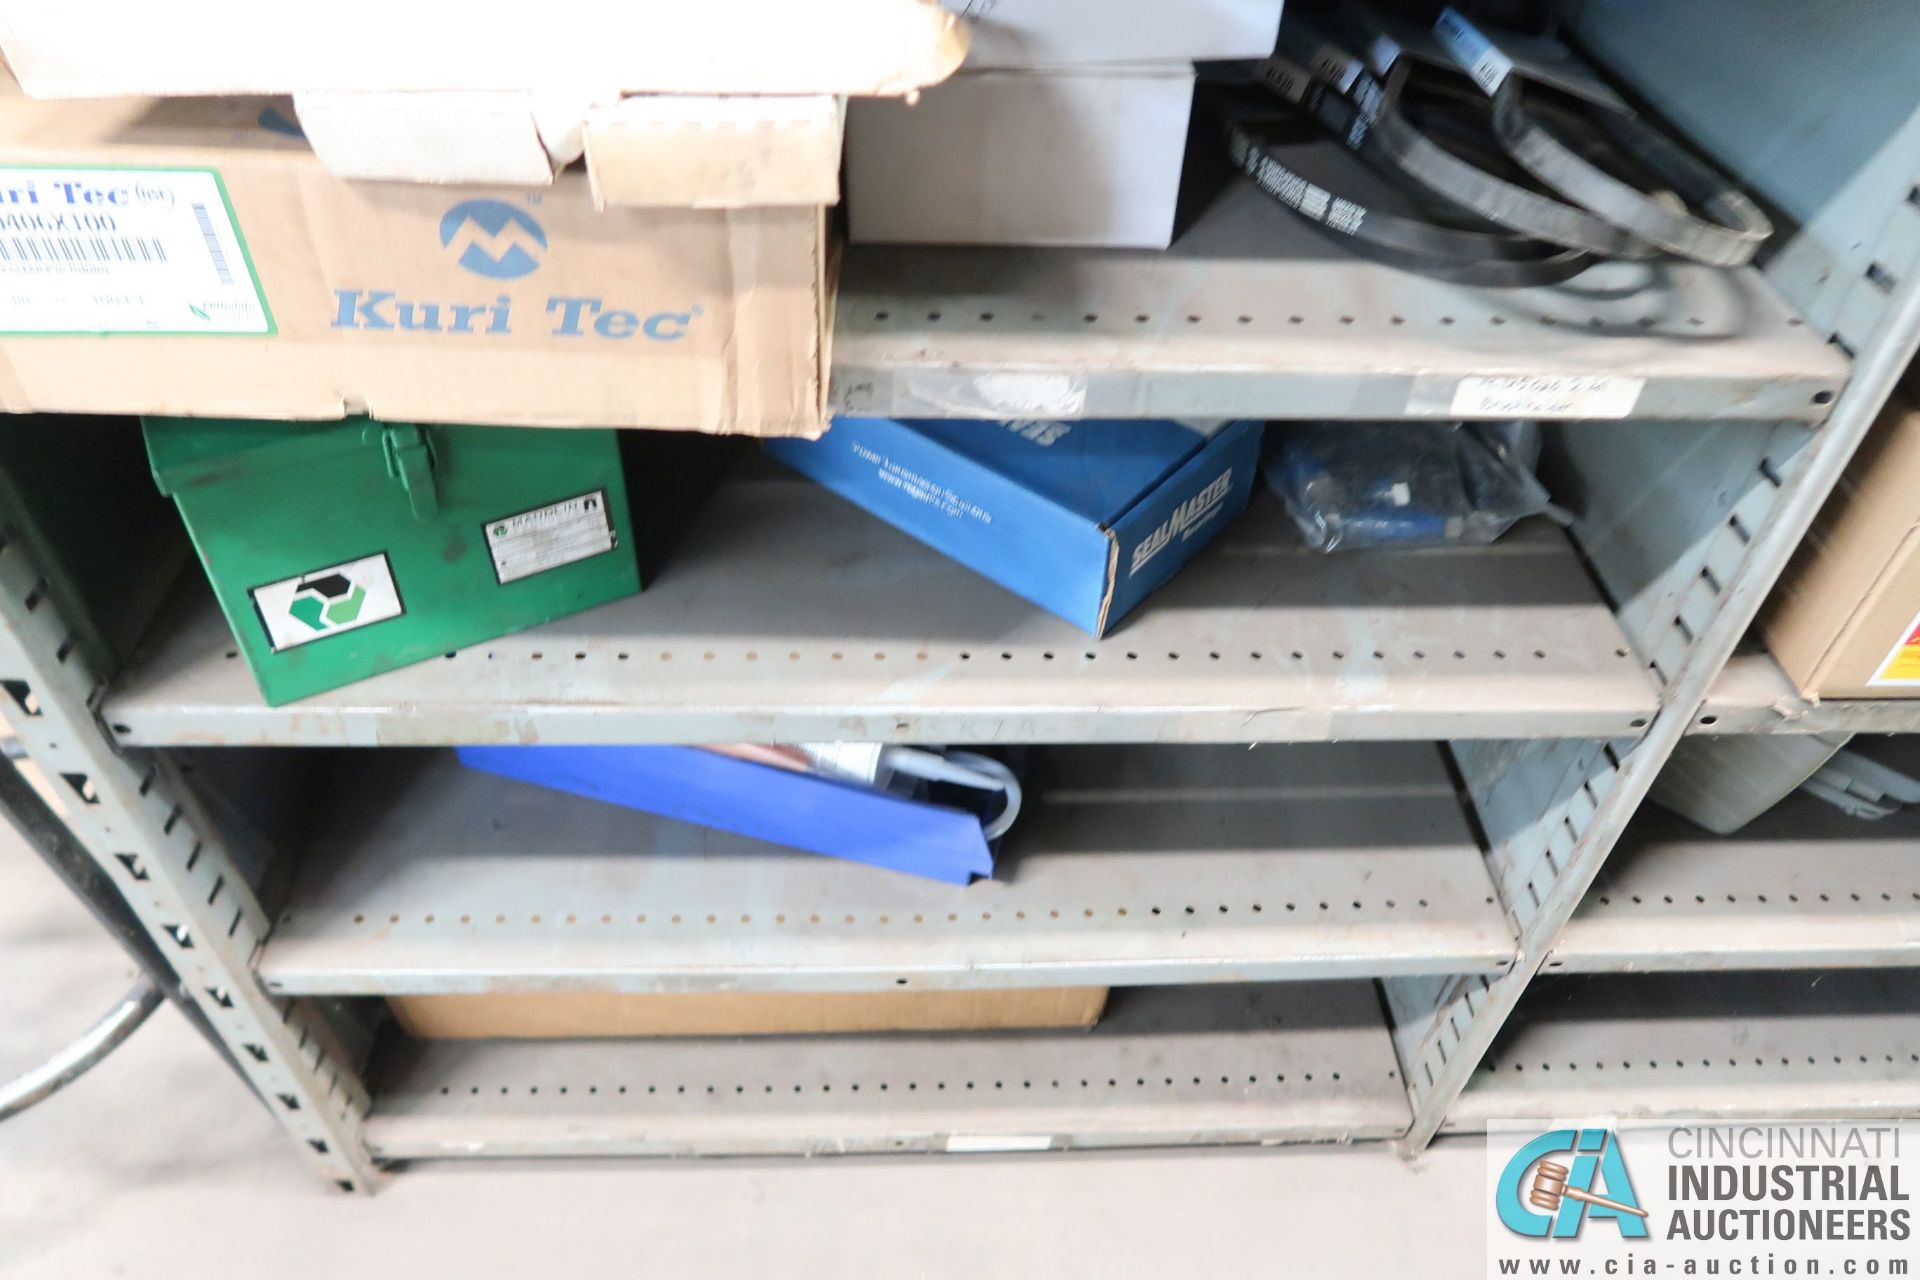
(1301, 1062)
(1799, 1044)
(1803, 886)
(1254, 312)
(1753, 695)
(789, 615)
(1133, 866)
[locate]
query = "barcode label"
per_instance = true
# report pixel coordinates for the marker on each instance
(72, 249)
(123, 250)
(1335, 67)
(214, 250)
(1285, 77)
(1477, 56)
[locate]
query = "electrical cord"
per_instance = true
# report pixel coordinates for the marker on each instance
(80, 1057)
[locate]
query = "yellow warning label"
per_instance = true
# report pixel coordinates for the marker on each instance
(1902, 666)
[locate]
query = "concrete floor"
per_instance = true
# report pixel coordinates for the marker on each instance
(160, 1164)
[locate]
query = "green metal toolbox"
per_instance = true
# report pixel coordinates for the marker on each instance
(340, 550)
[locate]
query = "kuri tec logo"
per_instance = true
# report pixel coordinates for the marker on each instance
(492, 238)
(501, 241)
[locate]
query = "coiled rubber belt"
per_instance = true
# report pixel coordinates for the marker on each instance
(1494, 258)
(1498, 201)
(1732, 229)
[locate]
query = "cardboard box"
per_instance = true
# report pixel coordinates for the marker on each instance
(1844, 621)
(646, 151)
(1008, 157)
(1062, 33)
(1082, 518)
(195, 258)
(86, 49)
(743, 1013)
(341, 550)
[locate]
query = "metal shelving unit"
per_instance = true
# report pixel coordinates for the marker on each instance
(1253, 309)
(1803, 886)
(1558, 668)
(1808, 1044)
(792, 616)
(1688, 532)
(1752, 695)
(1300, 1062)
(1131, 866)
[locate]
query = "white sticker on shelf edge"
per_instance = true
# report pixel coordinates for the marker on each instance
(1524, 395)
(981, 1142)
(1007, 393)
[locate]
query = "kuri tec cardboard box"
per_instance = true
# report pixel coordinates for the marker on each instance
(193, 257)
(1845, 620)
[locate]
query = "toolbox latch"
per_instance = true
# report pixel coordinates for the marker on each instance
(410, 461)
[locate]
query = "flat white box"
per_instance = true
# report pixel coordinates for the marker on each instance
(587, 49)
(1080, 157)
(1064, 33)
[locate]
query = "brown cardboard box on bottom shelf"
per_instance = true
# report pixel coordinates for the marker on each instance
(193, 257)
(1844, 621)
(742, 1013)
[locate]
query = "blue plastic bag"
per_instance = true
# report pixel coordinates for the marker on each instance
(1354, 485)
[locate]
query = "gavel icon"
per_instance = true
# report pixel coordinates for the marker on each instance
(1550, 1187)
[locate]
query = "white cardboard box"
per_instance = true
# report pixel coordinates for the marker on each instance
(1081, 157)
(646, 151)
(482, 93)
(1062, 33)
(590, 48)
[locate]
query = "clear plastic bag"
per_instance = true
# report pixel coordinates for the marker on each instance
(1353, 485)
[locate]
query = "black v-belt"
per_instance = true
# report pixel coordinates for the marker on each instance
(1732, 229)
(1380, 127)
(1264, 147)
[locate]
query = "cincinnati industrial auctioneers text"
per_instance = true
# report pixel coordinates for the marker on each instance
(1729, 1183)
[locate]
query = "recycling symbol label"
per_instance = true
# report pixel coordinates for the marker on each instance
(327, 601)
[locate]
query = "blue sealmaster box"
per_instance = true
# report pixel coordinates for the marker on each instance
(1082, 518)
